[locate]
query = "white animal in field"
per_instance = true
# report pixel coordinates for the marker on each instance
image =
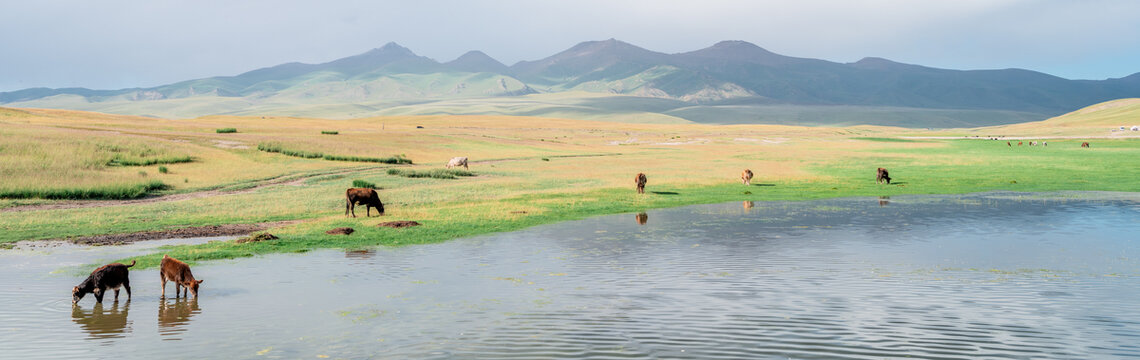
(457, 161)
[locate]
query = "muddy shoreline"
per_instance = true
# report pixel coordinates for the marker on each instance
(181, 233)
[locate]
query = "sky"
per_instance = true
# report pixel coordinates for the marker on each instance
(112, 44)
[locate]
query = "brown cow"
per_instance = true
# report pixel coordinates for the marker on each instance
(363, 196)
(746, 176)
(881, 175)
(106, 277)
(1007, 143)
(1085, 145)
(640, 180)
(173, 270)
(1018, 143)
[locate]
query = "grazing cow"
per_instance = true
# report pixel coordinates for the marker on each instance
(1007, 143)
(458, 161)
(1018, 143)
(882, 175)
(640, 181)
(746, 176)
(1085, 145)
(173, 270)
(363, 196)
(1044, 143)
(1032, 143)
(106, 277)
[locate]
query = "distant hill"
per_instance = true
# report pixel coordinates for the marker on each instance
(729, 82)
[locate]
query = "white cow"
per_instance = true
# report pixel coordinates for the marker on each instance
(458, 161)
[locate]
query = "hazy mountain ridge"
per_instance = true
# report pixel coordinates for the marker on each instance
(729, 73)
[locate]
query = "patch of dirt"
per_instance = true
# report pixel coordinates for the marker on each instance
(518, 212)
(257, 238)
(226, 144)
(399, 224)
(187, 232)
(341, 231)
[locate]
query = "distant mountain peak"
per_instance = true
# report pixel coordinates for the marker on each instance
(394, 48)
(737, 50)
(477, 61)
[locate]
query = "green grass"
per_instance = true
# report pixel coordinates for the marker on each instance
(226, 130)
(326, 132)
(163, 169)
(363, 184)
(117, 191)
(433, 173)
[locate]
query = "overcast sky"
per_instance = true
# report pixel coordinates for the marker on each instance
(110, 44)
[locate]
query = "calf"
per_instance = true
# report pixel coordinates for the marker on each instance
(364, 196)
(746, 176)
(882, 175)
(106, 277)
(640, 181)
(178, 272)
(1085, 145)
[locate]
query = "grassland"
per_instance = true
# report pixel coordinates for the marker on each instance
(587, 171)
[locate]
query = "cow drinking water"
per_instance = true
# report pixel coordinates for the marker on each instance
(363, 196)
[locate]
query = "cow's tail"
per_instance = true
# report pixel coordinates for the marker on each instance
(132, 263)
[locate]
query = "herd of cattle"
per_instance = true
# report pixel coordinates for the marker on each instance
(115, 276)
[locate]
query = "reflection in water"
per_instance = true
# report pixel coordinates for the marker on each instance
(642, 218)
(360, 254)
(748, 205)
(884, 200)
(103, 323)
(173, 316)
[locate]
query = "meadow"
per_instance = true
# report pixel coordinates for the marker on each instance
(525, 171)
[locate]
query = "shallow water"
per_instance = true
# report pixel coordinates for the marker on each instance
(947, 277)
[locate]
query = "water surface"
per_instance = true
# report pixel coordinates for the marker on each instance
(942, 277)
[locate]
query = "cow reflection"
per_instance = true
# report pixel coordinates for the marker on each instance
(884, 200)
(641, 218)
(748, 205)
(360, 254)
(174, 314)
(102, 323)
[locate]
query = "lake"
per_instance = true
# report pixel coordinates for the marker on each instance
(994, 275)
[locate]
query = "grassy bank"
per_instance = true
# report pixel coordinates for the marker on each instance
(527, 174)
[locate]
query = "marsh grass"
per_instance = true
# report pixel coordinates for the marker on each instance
(226, 130)
(433, 173)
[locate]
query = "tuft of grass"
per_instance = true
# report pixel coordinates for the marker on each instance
(163, 169)
(226, 130)
(124, 161)
(433, 173)
(276, 147)
(327, 132)
(363, 184)
(397, 159)
(110, 192)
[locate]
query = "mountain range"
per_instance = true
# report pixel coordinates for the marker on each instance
(729, 82)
